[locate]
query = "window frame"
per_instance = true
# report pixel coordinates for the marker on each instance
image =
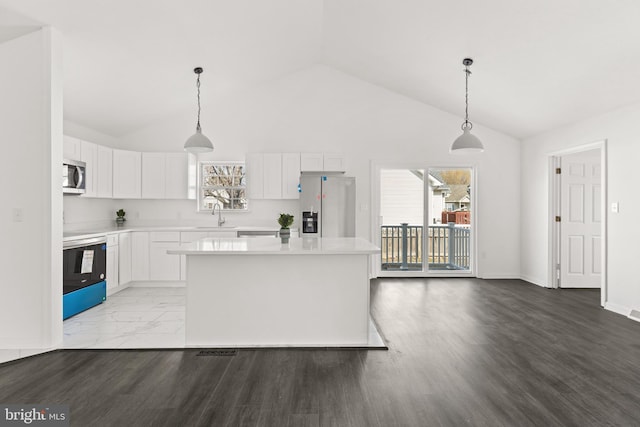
(201, 164)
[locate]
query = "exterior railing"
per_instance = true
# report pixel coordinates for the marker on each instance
(448, 247)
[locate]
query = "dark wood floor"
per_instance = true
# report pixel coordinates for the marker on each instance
(461, 352)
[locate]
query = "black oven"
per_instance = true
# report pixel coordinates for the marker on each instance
(83, 275)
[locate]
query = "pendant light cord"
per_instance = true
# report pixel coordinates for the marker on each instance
(198, 86)
(467, 123)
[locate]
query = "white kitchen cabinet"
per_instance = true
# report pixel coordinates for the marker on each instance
(89, 155)
(153, 175)
(124, 258)
(140, 256)
(334, 163)
(311, 162)
(290, 175)
(163, 266)
(176, 176)
(164, 176)
(104, 172)
(254, 166)
(272, 176)
(71, 148)
(112, 262)
(319, 162)
(127, 178)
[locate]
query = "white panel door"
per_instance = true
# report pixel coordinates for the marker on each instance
(580, 204)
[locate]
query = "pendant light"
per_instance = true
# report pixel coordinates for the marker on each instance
(466, 143)
(198, 143)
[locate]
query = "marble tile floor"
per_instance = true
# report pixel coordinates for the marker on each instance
(137, 318)
(131, 318)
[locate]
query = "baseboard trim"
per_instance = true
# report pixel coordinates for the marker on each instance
(533, 281)
(158, 284)
(12, 355)
(617, 308)
(499, 276)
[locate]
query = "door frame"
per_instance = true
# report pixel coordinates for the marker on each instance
(375, 168)
(554, 209)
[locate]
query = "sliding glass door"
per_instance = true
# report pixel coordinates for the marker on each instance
(425, 221)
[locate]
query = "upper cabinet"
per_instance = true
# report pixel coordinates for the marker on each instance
(311, 162)
(254, 166)
(164, 176)
(127, 179)
(89, 155)
(290, 175)
(175, 180)
(71, 148)
(122, 174)
(104, 172)
(319, 162)
(334, 163)
(272, 175)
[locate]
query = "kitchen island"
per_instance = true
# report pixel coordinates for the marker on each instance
(257, 292)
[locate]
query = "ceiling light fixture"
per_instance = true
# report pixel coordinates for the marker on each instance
(198, 143)
(466, 143)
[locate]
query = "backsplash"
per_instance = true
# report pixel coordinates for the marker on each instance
(86, 213)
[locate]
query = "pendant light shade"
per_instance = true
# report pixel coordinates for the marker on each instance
(466, 143)
(198, 143)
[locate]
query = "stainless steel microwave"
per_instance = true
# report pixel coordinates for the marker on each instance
(73, 176)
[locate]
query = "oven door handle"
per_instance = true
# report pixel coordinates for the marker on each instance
(72, 244)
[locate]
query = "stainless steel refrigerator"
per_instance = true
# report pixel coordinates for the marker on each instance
(327, 205)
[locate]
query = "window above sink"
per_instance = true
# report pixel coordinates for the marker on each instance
(222, 184)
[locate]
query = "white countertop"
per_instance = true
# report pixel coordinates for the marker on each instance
(101, 231)
(272, 246)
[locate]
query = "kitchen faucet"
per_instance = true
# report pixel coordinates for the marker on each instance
(220, 219)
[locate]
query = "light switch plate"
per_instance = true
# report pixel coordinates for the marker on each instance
(615, 208)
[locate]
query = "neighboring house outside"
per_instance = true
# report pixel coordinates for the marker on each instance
(458, 198)
(402, 195)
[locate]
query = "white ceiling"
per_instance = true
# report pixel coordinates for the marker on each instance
(538, 64)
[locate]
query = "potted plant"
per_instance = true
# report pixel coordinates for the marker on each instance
(120, 217)
(285, 222)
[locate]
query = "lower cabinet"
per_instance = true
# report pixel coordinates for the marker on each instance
(113, 280)
(163, 266)
(140, 256)
(124, 258)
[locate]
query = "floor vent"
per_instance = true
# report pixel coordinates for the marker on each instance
(231, 352)
(635, 315)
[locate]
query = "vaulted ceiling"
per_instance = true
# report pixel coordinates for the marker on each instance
(538, 65)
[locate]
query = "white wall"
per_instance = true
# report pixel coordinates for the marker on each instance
(321, 109)
(619, 129)
(30, 249)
